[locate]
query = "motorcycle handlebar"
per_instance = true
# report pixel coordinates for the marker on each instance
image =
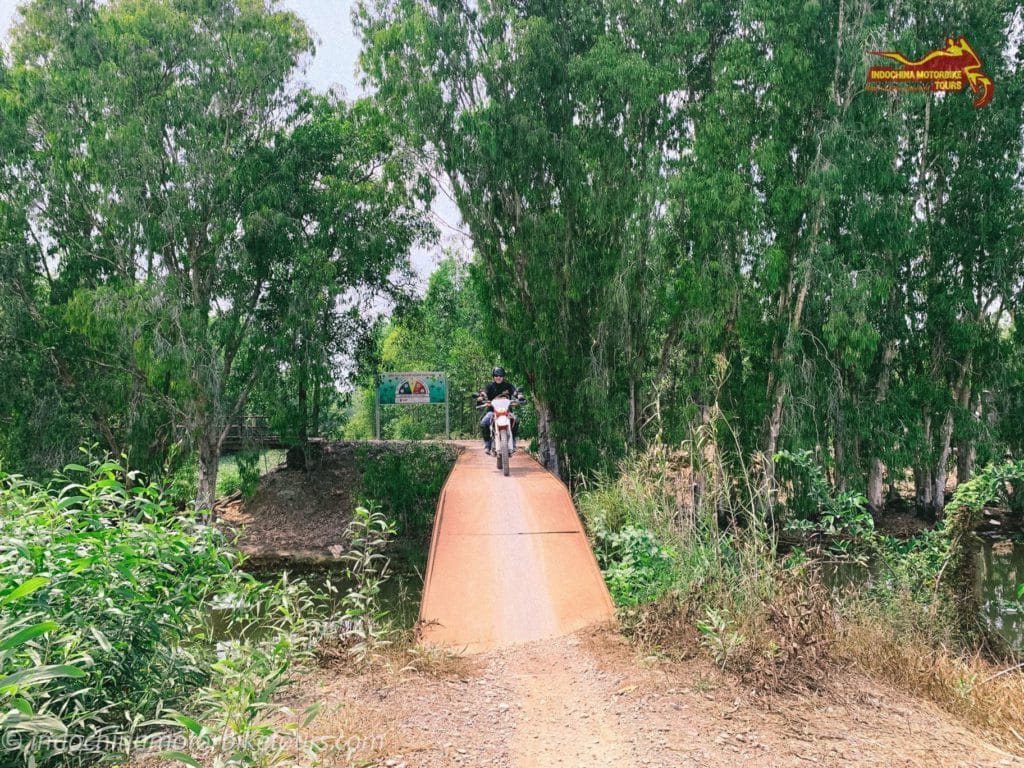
(487, 403)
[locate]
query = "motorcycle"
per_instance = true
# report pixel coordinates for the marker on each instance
(502, 427)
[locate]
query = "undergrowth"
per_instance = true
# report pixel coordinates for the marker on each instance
(107, 642)
(405, 479)
(712, 577)
(709, 571)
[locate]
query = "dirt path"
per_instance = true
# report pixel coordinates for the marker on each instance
(509, 560)
(511, 574)
(588, 701)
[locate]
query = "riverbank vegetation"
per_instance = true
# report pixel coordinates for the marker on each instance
(129, 627)
(722, 570)
(757, 308)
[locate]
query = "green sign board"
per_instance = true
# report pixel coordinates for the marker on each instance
(412, 388)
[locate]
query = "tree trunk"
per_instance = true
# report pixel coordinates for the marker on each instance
(876, 499)
(209, 459)
(314, 418)
(877, 472)
(938, 499)
(546, 440)
(303, 432)
(839, 454)
(923, 486)
(966, 454)
(632, 411)
(961, 395)
(841, 101)
(923, 490)
(966, 450)
(774, 427)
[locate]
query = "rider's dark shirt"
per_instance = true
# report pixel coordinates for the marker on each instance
(497, 390)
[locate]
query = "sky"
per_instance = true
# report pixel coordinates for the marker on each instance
(335, 66)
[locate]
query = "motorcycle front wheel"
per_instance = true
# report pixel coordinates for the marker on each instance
(503, 454)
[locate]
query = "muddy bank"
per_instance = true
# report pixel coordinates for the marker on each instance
(300, 510)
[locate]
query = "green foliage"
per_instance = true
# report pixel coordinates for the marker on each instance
(368, 568)
(752, 611)
(841, 518)
(717, 637)
(242, 471)
(908, 568)
(866, 302)
(179, 485)
(959, 574)
(636, 568)
(22, 684)
(551, 130)
(203, 234)
(105, 630)
(405, 479)
(442, 332)
(119, 580)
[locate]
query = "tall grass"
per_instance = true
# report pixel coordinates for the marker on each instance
(763, 611)
(723, 585)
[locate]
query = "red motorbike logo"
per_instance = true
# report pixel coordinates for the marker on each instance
(945, 69)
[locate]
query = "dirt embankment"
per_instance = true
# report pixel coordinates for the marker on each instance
(300, 510)
(296, 514)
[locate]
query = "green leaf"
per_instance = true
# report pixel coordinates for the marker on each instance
(39, 675)
(188, 722)
(25, 589)
(180, 757)
(26, 634)
(104, 643)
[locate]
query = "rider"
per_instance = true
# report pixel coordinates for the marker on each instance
(497, 388)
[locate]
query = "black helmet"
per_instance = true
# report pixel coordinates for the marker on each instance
(499, 371)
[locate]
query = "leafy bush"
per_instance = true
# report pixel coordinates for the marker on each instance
(120, 581)
(179, 486)
(21, 685)
(843, 519)
(636, 567)
(405, 480)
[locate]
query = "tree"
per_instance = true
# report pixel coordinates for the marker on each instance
(177, 185)
(550, 121)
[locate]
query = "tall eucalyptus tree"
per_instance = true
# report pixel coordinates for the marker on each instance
(551, 121)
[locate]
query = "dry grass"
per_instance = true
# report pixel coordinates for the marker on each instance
(664, 627)
(987, 696)
(403, 655)
(795, 633)
(345, 732)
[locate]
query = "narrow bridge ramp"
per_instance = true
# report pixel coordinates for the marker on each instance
(509, 561)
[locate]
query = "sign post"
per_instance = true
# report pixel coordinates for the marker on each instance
(376, 410)
(413, 388)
